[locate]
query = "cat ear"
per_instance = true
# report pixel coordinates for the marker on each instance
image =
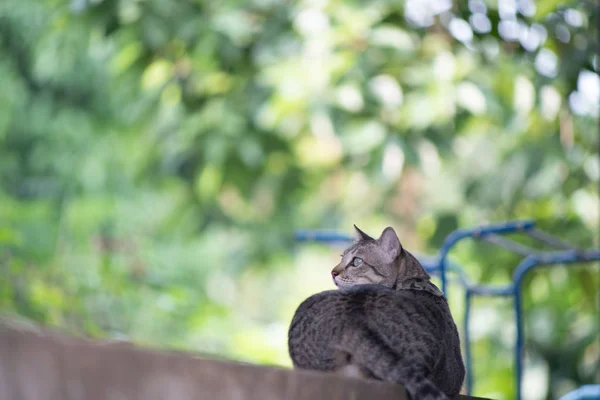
(389, 242)
(362, 235)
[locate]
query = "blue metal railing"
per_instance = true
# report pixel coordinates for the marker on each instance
(479, 232)
(585, 392)
(563, 253)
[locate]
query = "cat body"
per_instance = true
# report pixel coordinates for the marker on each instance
(388, 322)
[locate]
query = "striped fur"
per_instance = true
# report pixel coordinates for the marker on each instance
(385, 325)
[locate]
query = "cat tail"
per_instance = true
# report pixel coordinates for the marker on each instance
(370, 353)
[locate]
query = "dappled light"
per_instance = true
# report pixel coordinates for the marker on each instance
(157, 156)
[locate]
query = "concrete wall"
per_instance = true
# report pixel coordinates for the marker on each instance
(37, 364)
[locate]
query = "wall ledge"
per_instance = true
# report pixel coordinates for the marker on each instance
(37, 363)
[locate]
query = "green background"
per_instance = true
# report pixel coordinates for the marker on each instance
(157, 155)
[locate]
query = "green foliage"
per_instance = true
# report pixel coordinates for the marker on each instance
(156, 156)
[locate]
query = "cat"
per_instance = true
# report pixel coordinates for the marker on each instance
(387, 322)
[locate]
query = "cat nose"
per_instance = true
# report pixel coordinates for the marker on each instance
(334, 274)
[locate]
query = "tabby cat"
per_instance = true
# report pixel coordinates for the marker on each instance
(387, 322)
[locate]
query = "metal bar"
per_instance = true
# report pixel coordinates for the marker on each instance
(468, 361)
(519, 341)
(550, 239)
(478, 232)
(562, 257)
(529, 263)
(585, 392)
(510, 245)
(322, 236)
(489, 290)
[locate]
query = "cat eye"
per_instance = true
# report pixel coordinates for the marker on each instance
(357, 261)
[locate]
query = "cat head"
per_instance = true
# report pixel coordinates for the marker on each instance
(381, 261)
